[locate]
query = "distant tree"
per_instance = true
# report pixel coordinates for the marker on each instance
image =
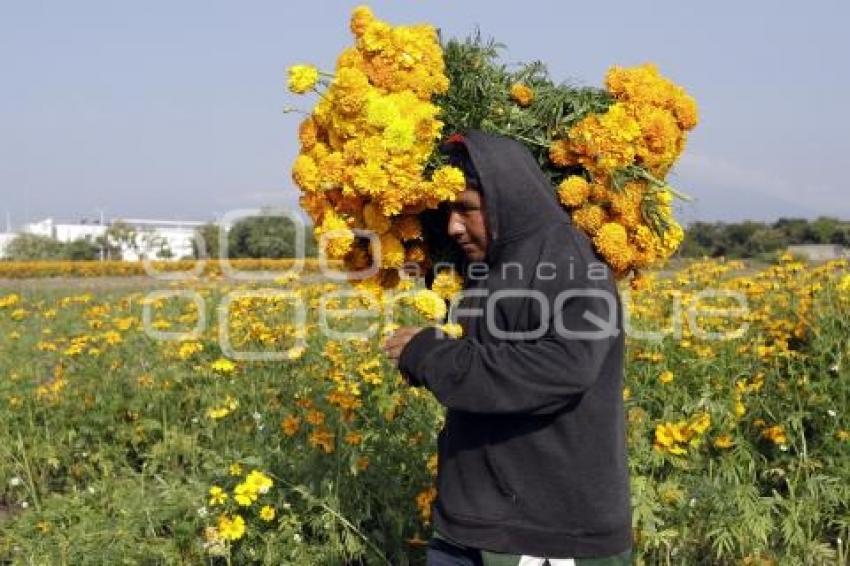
(842, 235)
(758, 239)
(210, 233)
(765, 241)
(82, 249)
(824, 228)
(702, 239)
(266, 237)
(28, 247)
(796, 229)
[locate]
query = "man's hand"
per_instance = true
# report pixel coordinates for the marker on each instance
(398, 340)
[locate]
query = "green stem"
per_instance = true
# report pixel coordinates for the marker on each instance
(345, 522)
(28, 470)
(521, 138)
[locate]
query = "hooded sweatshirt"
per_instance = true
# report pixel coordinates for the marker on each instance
(532, 455)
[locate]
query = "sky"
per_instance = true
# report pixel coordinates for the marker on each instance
(173, 109)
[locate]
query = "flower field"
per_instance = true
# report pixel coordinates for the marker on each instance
(128, 438)
(30, 269)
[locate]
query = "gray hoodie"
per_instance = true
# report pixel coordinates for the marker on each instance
(532, 456)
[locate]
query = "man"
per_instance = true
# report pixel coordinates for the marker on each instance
(532, 457)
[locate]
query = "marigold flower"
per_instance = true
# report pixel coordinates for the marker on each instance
(447, 283)
(573, 191)
(522, 94)
(223, 366)
(290, 424)
(612, 243)
(361, 17)
(217, 495)
(302, 78)
(267, 513)
(775, 434)
(452, 329)
(231, 527)
(429, 304)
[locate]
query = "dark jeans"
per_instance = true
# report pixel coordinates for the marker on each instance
(443, 553)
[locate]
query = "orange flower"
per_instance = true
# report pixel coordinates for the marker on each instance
(522, 94)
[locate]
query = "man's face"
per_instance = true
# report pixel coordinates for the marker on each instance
(468, 224)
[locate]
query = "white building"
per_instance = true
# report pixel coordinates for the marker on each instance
(5, 238)
(167, 239)
(819, 252)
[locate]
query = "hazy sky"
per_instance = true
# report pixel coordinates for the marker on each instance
(173, 109)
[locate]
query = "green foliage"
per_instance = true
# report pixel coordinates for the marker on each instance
(264, 237)
(82, 249)
(480, 99)
(750, 239)
(115, 467)
(32, 247)
(210, 234)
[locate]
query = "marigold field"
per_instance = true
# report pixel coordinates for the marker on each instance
(119, 446)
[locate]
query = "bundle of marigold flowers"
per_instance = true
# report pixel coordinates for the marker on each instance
(618, 197)
(365, 147)
(369, 155)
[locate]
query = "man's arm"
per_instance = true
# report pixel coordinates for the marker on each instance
(533, 377)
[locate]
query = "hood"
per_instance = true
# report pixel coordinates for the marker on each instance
(519, 199)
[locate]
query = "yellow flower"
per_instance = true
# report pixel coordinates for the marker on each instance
(666, 377)
(573, 191)
(223, 366)
(447, 182)
(399, 135)
(305, 173)
(361, 17)
(589, 218)
(700, 423)
(230, 405)
(267, 513)
(612, 243)
(723, 441)
(561, 154)
(231, 528)
(338, 237)
(775, 434)
(235, 469)
(522, 94)
(432, 464)
(447, 283)
(244, 494)
(452, 329)
(217, 495)
(259, 482)
(302, 78)
(740, 409)
(429, 304)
